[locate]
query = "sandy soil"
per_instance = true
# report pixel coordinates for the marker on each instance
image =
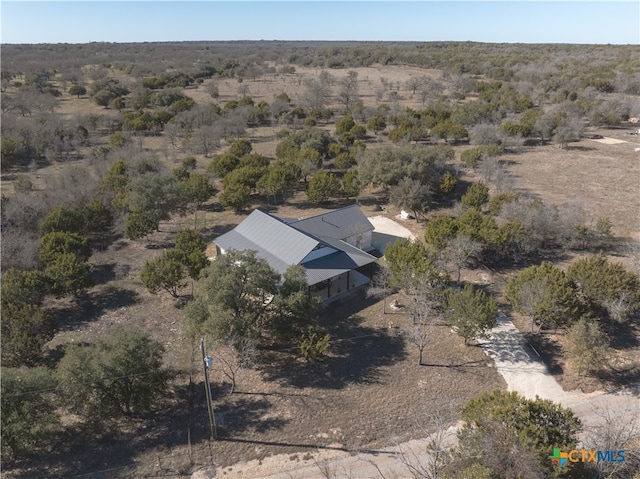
(610, 141)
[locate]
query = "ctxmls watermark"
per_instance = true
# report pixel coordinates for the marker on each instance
(586, 455)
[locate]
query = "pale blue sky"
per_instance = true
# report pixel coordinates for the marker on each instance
(616, 22)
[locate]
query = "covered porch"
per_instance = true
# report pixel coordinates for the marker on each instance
(340, 284)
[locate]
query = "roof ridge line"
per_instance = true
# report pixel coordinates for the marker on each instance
(326, 213)
(308, 235)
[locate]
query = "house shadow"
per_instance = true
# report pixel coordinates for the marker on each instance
(357, 351)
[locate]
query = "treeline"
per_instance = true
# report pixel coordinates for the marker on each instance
(573, 63)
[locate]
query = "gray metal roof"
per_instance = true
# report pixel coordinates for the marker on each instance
(338, 224)
(283, 245)
(235, 241)
(326, 267)
(269, 235)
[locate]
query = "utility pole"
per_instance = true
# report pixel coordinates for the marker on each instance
(206, 362)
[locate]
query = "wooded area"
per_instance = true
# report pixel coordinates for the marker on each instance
(121, 163)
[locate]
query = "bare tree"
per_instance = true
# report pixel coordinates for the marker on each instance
(278, 107)
(348, 92)
(243, 89)
(491, 170)
(429, 459)
(234, 123)
(461, 85)
(174, 135)
(326, 78)
(423, 300)
(462, 252)
(412, 195)
(213, 90)
(633, 252)
(430, 90)
(231, 357)
(327, 468)
(570, 129)
(414, 83)
(541, 223)
(530, 296)
(379, 286)
(619, 307)
(205, 139)
(616, 429)
(484, 134)
(418, 334)
(317, 94)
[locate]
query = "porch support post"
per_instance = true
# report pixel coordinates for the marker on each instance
(348, 280)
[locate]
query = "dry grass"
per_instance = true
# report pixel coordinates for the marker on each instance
(371, 391)
(603, 178)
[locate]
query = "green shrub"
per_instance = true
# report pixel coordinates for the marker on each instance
(314, 347)
(476, 196)
(472, 156)
(29, 419)
(64, 218)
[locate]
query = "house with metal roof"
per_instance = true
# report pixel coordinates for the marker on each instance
(331, 246)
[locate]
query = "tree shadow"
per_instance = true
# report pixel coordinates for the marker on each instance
(375, 200)
(211, 232)
(622, 378)
(212, 207)
(245, 414)
(506, 264)
(103, 273)
(579, 148)
(158, 244)
(90, 307)
(315, 447)
(623, 335)
(459, 366)
(357, 351)
(548, 350)
(97, 450)
(106, 240)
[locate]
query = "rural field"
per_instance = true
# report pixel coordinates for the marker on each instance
(368, 390)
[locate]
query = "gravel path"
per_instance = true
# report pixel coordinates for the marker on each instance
(524, 372)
